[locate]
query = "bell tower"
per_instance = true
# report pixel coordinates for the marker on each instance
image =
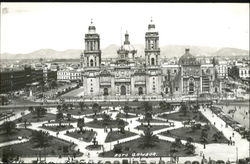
(152, 50)
(92, 52)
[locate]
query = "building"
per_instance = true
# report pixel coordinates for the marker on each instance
(68, 75)
(244, 72)
(126, 76)
(13, 80)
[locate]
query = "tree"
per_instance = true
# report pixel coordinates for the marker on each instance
(41, 139)
(147, 107)
(148, 118)
(178, 142)
(25, 123)
(121, 125)
(39, 112)
(184, 109)
(31, 109)
(81, 105)
(68, 116)
(59, 118)
(95, 108)
(190, 139)
(190, 148)
(106, 118)
(126, 110)
(173, 147)
(80, 123)
(118, 148)
(8, 154)
(59, 107)
(217, 136)
(148, 139)
(8, 126)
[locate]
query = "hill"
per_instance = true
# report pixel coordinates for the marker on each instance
(111, 52)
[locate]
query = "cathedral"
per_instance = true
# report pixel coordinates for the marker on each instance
(126, 76)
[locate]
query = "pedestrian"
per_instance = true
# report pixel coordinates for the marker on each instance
(233, 134)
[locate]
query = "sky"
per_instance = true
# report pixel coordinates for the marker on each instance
(26, 27)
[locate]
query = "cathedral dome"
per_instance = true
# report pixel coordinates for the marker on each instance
(188, 59)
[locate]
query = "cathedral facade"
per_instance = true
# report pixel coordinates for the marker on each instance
(125, 76)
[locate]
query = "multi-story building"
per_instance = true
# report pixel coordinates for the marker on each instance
(244, 72)
(125, 76)
(13, 80)
(68, 75)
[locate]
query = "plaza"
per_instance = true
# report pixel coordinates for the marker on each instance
(159, 126)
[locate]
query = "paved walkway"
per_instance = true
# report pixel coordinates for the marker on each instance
(223, 151)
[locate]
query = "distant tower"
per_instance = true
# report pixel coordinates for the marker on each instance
(92, 52)
(152, 50)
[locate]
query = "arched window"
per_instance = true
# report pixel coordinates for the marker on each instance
(123, 90)
(191, 88)
(152, 61)
(140, 91)
(91, 63)
(105, 92)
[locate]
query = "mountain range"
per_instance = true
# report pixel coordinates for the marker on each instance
(111, 52)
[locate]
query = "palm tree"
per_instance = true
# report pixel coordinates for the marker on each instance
(184, 109)
(190, 148)
(126, 110)
(81, 105)
(148, 118)
(106, 118)
(148, 139)
(80, 123)
(147, 107)
(95, 108)
(39, 112)
(178, 142)
(41, 139)
(121, 125)
(59, 107)
(8, 126)
(25, 123)
(31, 109)
(59, 118)
(68, 116)
(173, 147)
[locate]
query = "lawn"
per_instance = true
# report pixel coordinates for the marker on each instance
(78, 111)
(56, 147)
(185, 132)
(117, 135)
(151, 121)
(32, 118)
(133, 149)
(103, 124)
(58, 128)
(178, 116)
(141, 110)
(14, 134)
(86, 135)
(152, 127)
(123, 115)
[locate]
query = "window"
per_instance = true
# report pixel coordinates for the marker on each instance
(91, 63)
(152, 61)
(176, 89)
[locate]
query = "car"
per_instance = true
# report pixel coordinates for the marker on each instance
(100, 162)
(82, 161)
(143, 162)
(152, 162)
